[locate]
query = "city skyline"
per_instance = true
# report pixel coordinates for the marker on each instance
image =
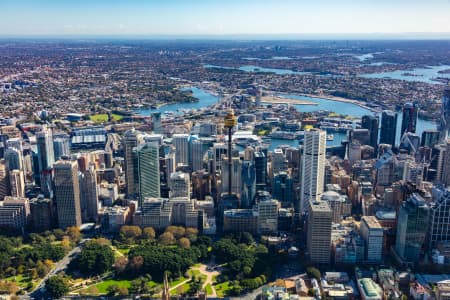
(234, 19)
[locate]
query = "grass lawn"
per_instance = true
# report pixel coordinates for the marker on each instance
(182, 289)
(221, 288)
(208, 289)
(124, 251)
(177, 281)
(103, 286)
(116, 117)
(21, 280)
(197, 274)
(100, 118)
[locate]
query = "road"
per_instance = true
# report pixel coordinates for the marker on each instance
(61, 265)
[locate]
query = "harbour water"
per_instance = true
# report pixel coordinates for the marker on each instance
(205, 99)
(426, 74)
(419, 74)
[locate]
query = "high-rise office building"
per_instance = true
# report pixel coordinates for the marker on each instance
(61, 146)
(412, 228)
(156, 122)
(17, 183)
(409, 119)
(131, 139)
(89, 195)
(67, 193)
(282, 188)
(147, 164)
(319, 232)
(430, 138)
(388, 127)
(444, 124)
(445, 164)
(41, 216)
(46, 159)
(359, 135)
(13, 159)
(261, 170)
(201, 186)
(44, 142)
(268, 216)
(14, 143)
(181, 144)
(248, 187)
(439, 217)
(4, 179)
(198, 150)
(312, 167)
(372, 233)
(180, 185)
(371, 123)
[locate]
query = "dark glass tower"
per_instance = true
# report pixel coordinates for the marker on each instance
(388, 127)
(409, 120)
(371, 123)
(444, 124)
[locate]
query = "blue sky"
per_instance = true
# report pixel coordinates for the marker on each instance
(214, 17)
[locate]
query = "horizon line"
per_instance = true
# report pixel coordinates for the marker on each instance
(244, 36)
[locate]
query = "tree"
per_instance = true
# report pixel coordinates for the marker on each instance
(120, 264)
(139, 286)
(167, 238)
(128, 234)
(123, 291)
(313, 272)
(57, 286)
(112, 289)
(148, 233)
(184, 243)
(136, 263)
(95, 258)
(59, 234)
(74, 233)
(177, 231)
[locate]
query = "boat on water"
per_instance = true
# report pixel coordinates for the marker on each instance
(330, 137)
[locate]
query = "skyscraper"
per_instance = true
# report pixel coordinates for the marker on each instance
(46, 159)
(131, 139)
(319, 232)
(372, 233)
(371, 123)
(180, 185)
(268, 216)
(430, 138)
(261, 170)
(89, 195)
(312, 167)
(46, 156)
(412, 227)
(410, 115)
(282, 188)
(147, 164)
(439, 218)
(4, 180)
(14, 159)
(156, 122)
(61, 146)
(248, 187)
(181, 144)
(388, 127)
(67, 193)
(444, 124)
(17, 183)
